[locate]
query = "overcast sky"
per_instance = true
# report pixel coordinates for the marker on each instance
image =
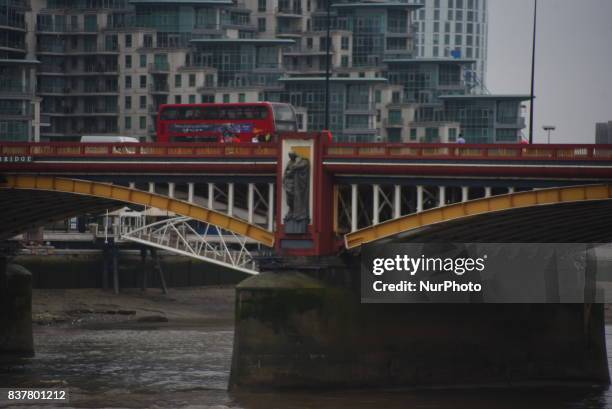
(573, 62)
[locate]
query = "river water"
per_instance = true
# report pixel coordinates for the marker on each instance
(189, 368)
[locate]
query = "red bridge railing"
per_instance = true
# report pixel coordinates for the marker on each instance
(468, 151)
(66, 149)
(383, 151)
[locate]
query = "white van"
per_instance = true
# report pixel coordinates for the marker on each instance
(108, 139)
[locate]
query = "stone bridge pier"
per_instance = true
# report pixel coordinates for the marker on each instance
(15, 310)
(296, 331)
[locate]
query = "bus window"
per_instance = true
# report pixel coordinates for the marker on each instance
(284, 118)
(169, 114)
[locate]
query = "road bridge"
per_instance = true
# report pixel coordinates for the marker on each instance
(358, 193)
(358, 186)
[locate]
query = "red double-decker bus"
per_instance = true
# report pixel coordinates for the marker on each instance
(239, 122)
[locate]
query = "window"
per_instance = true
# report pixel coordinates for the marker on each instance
(128, 81)
(192, 99)
(143, 60)
(413, 134)
(207, 99)
(226, 98)
(143, 122)
(395, 97)
(378, 96)
(241, 97)
(344, 43)
(431, 134)
(261, 24)
(91, 23)
(148, 41)
(192, 80)
(128, 122)
(128, 61)
(395, 117)
(261, 5)
(128, 102)
(344, 61)
(309, 42)
(452, 134)
(178, 81)
(177, 99)
(143, 81)
(506, 135)
(143, 102)
(128, 41)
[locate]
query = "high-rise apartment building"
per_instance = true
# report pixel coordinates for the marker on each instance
(453, 28)
(19, 106)
(106, 66)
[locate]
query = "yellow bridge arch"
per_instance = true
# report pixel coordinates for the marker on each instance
(477, 207)
(110, 193)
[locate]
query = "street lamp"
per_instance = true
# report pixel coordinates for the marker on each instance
(533, 56)
(327, 63)
(549, 129)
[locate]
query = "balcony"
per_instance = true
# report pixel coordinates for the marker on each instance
(75, 91)
(393, 122)
(511, 123)
(296, 50)
(288, 11)
(85, 111)
(159, 88)
(97, 89)
(12, 23)
(67, 28)
(61, 48)
(160, 67)
(13, 44)
(15, 111)
(360, 107)
(289, 31)
(14, 87)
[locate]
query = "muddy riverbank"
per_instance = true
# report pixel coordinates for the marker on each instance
(184, 306)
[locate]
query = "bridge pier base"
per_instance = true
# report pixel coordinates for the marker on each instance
(15, 310)
(294, 331)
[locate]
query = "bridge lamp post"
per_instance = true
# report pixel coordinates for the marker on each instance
(327, 62)
(533, 57)
(549, 129)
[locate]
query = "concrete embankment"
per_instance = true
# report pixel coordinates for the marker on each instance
(293, 331)
(84, 270)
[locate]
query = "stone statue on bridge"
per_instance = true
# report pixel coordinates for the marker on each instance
(296, 181)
